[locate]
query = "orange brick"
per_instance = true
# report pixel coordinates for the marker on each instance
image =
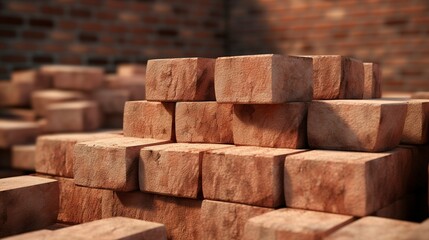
(372, 84)
(33, 198)
(80, 116)
(289, 223)
(277, 125)
(249, 175)
(355, 125)
(134, 84)
(263, 79)
(221, 220)
(203, 122)
(17, 132)
(149, 120)
(128, 70)
(34, 77)
(116, 160)
(352, 183)
(180, 79)
(54, 153)
(163, 171)
(14, 94)
(416, 122)
(180, 216)
(74, 77)
(40, 100)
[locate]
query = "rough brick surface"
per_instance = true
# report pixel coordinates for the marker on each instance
(79, 116)
(111, 100)
(203, 122)
(337, 77)
(27, 203)
(113, 228)
(416, 122)
(180, 216)
(74, 77)
(279, 125)
(289, 223)
(221, 220)
(173, 169)
(263, 79)
(17, 132)
(54, 153)
(40, 100)
(356, 125)
(149, 120)
(250, 175)
(372, 85)
(352, 183)
(116, 160)
(23, 157)
(180, 79)
(374, 227)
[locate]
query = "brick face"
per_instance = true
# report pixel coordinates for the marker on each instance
(393, 33)
(105, 33)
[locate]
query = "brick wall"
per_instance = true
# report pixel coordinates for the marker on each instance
(106, 32)
(392, 32)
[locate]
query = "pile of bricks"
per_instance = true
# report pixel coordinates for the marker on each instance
(251, 147)
(61, 99)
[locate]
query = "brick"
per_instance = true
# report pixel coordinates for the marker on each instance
(416, 122)
(78, 204)
(221, 220)
(116, 160)
(113, 228)
(14, 94)
(263, 79)
(274, 125)
(180, 79)
(419, 95)
(352, 183)
(149, 120)
(18, 114)
(54, 153)
(111, 101)
(294, 224)
(74, 77)
(374, 228)
(23, 157)
(372, 82)
(28, 203)
(355, 125)
(40, 100)
(203, 122)
(337, 77)
(134, 84)
(180, 216)
(249, 175)
(17, 132)
(419, 232)
(129, 70)
(79, 116)
(35, 77)
(162, 168)
(39, 234)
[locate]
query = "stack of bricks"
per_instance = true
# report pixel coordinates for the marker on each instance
(60, 99)
(252, 147)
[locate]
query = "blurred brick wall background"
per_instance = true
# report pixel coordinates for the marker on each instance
(392, 32)
(105, 33)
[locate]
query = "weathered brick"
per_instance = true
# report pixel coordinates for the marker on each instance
(274, 125)
(249, 175)
(116, 160)
(356, 125)
(203, 122)
(263, 79)
(416, 122)
(180, 79)
(149, 120)
(29, 203)
(289, 223)
(162, 168)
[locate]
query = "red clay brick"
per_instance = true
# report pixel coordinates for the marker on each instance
(372, 85)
